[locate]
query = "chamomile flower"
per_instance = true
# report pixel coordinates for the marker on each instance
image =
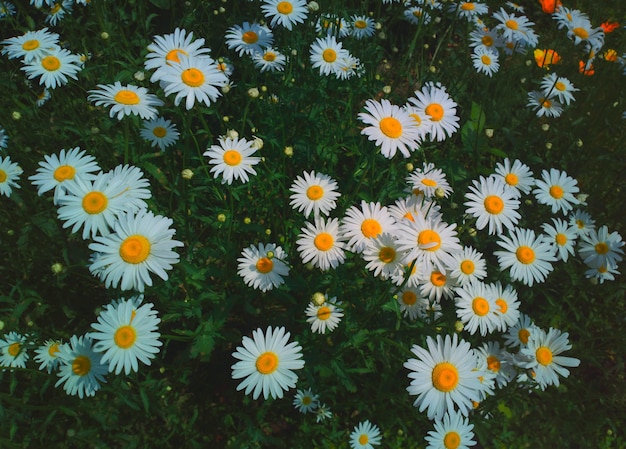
(360, 225)
(48, 355)
(269, 59)
(410, 275)
(314, 192)
(443, 376)
(4, 139)
(601, 273)
(544, 106)
(326, 53)
(141, 243)
(263, 266)
(485, 60)
(326, 316)
(476, 308)
(559, 87)
(365, 436)
(412, 304)
(54, 67)
(266, 363)
(81, 371)
(362, 26)
(582, 222)
(517, 176)
(413, 206)
(417, 15)
(428, 180)
(285, 12)
(518, 334)
(599, 248)
(126, 100)
(492, 204)
(581, 30)
(249, 38)
(528, 256)
(43, 97)
(486, 39)
(321, 244)
(451, 431)
(383, 257)
(468, 10)
(469, 265)
(557, 190)
(497, 361)
(544, 351)
(232, 159)
(437, 284)
(515, 28)
(159, 132)
(58, 10)
(507, 304)
(434, 101)
(561, 236)
(322, 412)
(126, 333)
(332, 25)
(390, 127)
(9, 176)
(305, 401)
(31, 45)
(6, 9)
(194, 78)
(13, 352)
(40, 3)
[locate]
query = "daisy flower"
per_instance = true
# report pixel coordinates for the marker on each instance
(559, 87)
(410, 275)
(159, 132)
(266, 363)
(9, 176)
(601, 249)
(485, 60)
(469, 265)
(543, 350)
(58, 11)
(453, 431)
(437, 284)
(314, 192)
(421, 119)
(416, 15)
(468, 10)
(31, 45)
(434, 101)
(497, 361)
(126, 100)
(428, 181)
(48, 355)
(406, 209)
(516, 176)
(485, 38)
(527, 256)
(54, 68)
(326, 53)
(55, 170)
(561, 237)
(43, 97)
(515, 28)
(492, 204)
(332, 25)
(507, 304)
(518, 334)
(13, 351)
(543, 105)
(321, 244)
(269, 59)
(6, 9)
(361, 225)
(285, 12)
(383, 257)
(126, 333)
(4, 139)
(249, 38)
(557, 190)
(263, 266)
(362, 26)
(232, 159)
(322, 412)
(412, 304)
(476, 308)
(390, 127)
(580, 30)
(136, 187)
(601, 274)
(443, 376)
(582, 222)
(324, 316)
(365, 436)
(305, 401)
(81, 370)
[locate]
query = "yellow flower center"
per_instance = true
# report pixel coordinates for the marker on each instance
(95, 202)
(30, 45)
(126, 97)
(81, 365)
(324, 241)
(371, 228)
(159, 132)
(135, 249)
(560, 86)
(51, 63)
(53, 349)
(391, 127)
(232, 158)
(502, 304)
(580, 224)
(601, 248)
(524, 335)
(511, 179)
(556, 192)
(429, 238)
(511, 24)
(387, 254)
(172, 55)
(452, 440)
(329, 55)
(480, 306)
(363, 439)
(525, 254)
(360, 24)
(560, 239)
(487, 41)
(437, 279)
(55, 9)
(445, 377)
(544, 355)
(485, 59)
(264, 265)
(580, 32)
(429, 182)
(435, 111)
(546, 103)
(493, 363)
(493, 204)
(14, 349)
(409, 298)
(468, 6)
(267, 363)
(306, 400)
(250, 37)
(467, 267)
(269, 56)
(417, 13)
(323, 313)
(3, 176)
(314, 193)
(125, 336)
(64, 172)
(284, 7)
(192, 77)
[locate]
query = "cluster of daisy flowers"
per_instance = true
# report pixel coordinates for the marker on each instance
(126, 333)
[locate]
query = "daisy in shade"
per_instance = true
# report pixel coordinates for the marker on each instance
(469, 265)
(321, 243)
(515, 28)
(409, 276)
(452, 432)
(417, 15)
(325, 316)
(468, 10)
(360, 225)
(545, 362)
(422, 121)
(582, 222)
(30, 46)
(159, 132)
(601, 249)
(270, 60)
(434, 101)
(43, 97)
(557, 190)
(126, 100)
(263, 266)
(6, 9)
(559, 87)
(361, 26)
(516, 176)
(601, 274)
(326, 53)
(166, 50)
(498, 361)
(13, 352)
(412, 304)
(193, 79)
(492, 204)
(581, 30)
(476, 308)
(383, 257)
(507, 304)
(141, 243)
(485, 60)
(58, 11)
(266, 363)
(48, 355)
(9, 176)
(314, 192)
(248, 38)
(4, 139)
(517, 336)
(305, 401)
(365, 436)
(543, 105)
(528, 256)
(232, 159)
(561, 236)
(126, 334)
(428, 181)
(136, 187)
(322, 412)
(330, 24)
(81, 371)
(486, 39)
(54, 68)
(286, 13)
(443, 376)
(436, 285)
(390, 127)
(413, 206)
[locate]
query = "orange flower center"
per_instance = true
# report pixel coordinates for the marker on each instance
(250, 37)
(556, 192)
(267, 363)
(192, 77)
(435, 110)
(445, 377)
(127, 97)
(284, 7)
(525, 254)
(81, 365)
(64, 172)
(324, 241)
(391, 127)
(232, 158)
(480, 306)
(371, 228)
(51, 63)
(409, 298)
(387, 254)
(95, 202)
(135, 249)
(429, 240)
(544, 355)
(125, 336)
(329, 55)
(264, 265)
(493, 204)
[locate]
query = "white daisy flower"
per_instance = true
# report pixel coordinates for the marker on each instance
(43, 97)
(126, 100)
(515, 28)
(452, 431)
(232, 159)
(269, 59)
(249, 38)
(601, 273)
(30, 46)
(263, 266)
(365, 436)
(557, 190)
(13, 352)
(410, 275)
(497, 361)
(285, 12)
(468, 10)
(518, 334)
(9, 176)
(516, 176)
(601, 249)
(507, 304)
(561, 236)
(437, 285)
(429, 181)
(314, 192)
(159, 132)
(434, 101)
(48, 355)
(406, 209)
(362, 26)
(321, 243)
(476, 308)
(326, 54)
(417, 15)
(492, 204)
(560, 87)
(6, 9)
(582, 222)
(325, 316)
(469, 265)
(81, 371)
(54, 67)
(543, 105)
(58, 10)
(305, 401)
(485, 38)
(332, 25)
(412, 304)
(485, 60)
(322, 412)
(360, 225)
(383, 257)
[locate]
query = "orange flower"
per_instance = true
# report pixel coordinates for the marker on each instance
(586, 69)
(610, 55)
(609, 26)
(545, 57)
(549, 6)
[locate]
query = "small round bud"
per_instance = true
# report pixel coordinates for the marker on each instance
(548, 145)
(458, 326)
(318, 298)
(440, 193)
(15, 115)
(313, 6)
(226, 118)
(579, 143)
(489, 132)
(221, 217)
(270, 255)
(545, 127)
(232, 134)
(56, 267)
(268, 232)
(288, 151)
(257, 143)
(247, 220)
(387, 89)
(104, 35)
(472, 232)
(225, 89)
(409, 167)
(187, 173)
(139, 75)
(253, 92)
